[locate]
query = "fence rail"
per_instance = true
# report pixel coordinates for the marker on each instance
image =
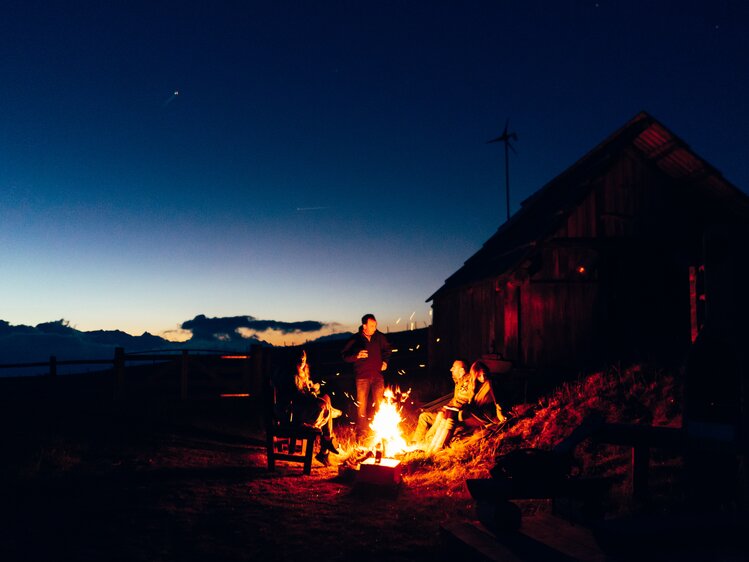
(53, 360)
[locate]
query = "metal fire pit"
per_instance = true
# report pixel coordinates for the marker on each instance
(385, 472)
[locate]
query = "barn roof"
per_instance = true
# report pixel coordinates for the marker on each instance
(541, 214)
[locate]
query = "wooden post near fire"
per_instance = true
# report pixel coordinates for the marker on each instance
(260, 367)
(184, 369)
(247, 373)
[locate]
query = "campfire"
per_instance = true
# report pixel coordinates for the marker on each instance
(386, 441)
(379, 465)
(387, 438)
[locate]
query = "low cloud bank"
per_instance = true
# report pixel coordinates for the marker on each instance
(247, 329)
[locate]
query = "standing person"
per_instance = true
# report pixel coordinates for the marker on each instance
(369, 351)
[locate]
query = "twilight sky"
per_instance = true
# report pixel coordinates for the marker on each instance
(321, 159)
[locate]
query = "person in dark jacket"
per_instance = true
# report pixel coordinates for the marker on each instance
(368, 350)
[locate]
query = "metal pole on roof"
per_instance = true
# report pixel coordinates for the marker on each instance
(506, 137)
(507, 178)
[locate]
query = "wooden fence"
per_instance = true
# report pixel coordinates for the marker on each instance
(228, 373)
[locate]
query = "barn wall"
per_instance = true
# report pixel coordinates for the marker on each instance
(610, 283)
(582, 221)
(648, 281)
(589, 302)
(468, 323)
(511, 300)
(559, 326)
(559, 305)
(637, 201)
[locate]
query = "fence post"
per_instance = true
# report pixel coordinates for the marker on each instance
(52, 366)
(258, 368)
(247, 372)
(119, 372)
(183, 375)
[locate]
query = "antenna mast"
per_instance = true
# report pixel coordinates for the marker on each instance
(506, 137)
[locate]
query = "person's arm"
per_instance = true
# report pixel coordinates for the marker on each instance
(497, 408)
(483, 408)
(463, 392)
(350, 351)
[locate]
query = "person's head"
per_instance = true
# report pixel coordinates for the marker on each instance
(302, 367)
(479, 370)
(458, 369)
(368, 324)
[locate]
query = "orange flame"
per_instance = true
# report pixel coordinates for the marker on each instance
(386, 423)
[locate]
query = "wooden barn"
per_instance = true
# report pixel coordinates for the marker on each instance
(601, 266)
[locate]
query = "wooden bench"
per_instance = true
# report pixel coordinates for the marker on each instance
(285, 440)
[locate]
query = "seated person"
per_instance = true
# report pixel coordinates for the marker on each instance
(483, 408)
(310, 409)
(480, 411)
(461, 395)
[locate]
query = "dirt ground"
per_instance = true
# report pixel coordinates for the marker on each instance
(151, 488)
(85, 478)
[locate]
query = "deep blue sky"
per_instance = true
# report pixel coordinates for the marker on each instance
(322, 159)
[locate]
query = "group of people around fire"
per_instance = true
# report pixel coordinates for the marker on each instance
(473, 404)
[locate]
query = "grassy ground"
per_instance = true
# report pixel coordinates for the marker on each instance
(89, 479)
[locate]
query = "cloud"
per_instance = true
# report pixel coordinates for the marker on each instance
(178, 335)
(206, 328)
(240, 329)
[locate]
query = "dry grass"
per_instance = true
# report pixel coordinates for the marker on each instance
(637, 395)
